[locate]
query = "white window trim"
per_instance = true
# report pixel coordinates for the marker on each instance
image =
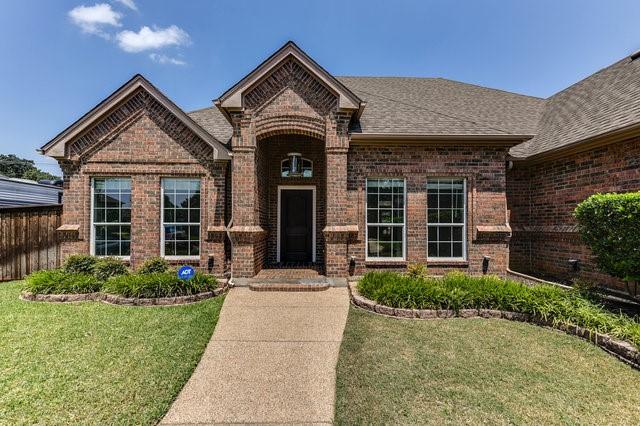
(311, 188)
(92, 229)
(162, 221)
(366, 223)
(464, 224)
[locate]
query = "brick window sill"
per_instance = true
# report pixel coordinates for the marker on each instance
(383, 263)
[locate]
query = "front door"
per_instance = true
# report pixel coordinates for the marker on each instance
(296, 225)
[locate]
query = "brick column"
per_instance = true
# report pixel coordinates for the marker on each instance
(246, 234)
(341, 224)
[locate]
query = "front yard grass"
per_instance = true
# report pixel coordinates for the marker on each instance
(472, 371)
(92, 363)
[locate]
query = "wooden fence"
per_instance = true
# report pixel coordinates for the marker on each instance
(28, 240)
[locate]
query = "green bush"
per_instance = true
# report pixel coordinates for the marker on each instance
(610, 224)
(108, 267)
(154, 265)
(160, 284)
(58, 281)
(80, 264)
(460, 291)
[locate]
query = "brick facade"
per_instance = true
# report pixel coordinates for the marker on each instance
(482, 166)
(143, 141)
(542, 197)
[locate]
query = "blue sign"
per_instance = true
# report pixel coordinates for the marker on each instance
(186, 272)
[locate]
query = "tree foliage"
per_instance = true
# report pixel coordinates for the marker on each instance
(16, 167)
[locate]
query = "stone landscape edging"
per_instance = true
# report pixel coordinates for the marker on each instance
(621, 349)
(114, 299)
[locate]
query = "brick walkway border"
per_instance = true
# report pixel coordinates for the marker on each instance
(622, 350)
(121, 300)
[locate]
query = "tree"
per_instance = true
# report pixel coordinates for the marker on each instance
(610, 224)
(14, 166)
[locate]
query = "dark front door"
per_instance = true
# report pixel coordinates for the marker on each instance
(296, 225)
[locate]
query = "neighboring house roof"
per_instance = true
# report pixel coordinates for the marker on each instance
(25, 192)
(604, 102)
(56, 147)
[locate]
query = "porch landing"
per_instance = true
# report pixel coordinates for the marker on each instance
(271, 359)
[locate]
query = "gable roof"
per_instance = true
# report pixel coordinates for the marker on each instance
(605, 102)
(232, 98)
(407, 106)
(56, 147)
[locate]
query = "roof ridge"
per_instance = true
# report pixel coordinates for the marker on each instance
(626, 58)
(200, 109)
(438, 112)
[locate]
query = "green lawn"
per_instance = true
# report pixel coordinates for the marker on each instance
(92, 363)
(472, 371)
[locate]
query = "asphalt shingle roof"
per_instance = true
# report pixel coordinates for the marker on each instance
(603, 102)
(437, 106)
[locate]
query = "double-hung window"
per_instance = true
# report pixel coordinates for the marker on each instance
(446, 217)
(385, 219)
(180, 217)
(111, 214)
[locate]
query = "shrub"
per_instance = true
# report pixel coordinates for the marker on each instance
(417, 270)
(609, 224)
(457, 291)
(59, 281)
(154, 265)
(159, 284)
(108, 267)
(80, 264)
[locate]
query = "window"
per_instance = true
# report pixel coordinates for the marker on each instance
(307, 168)
(181, 217)
(385, 218)
(446, 217)
(111, 216)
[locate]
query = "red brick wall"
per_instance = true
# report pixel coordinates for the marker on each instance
(146, 150)
(543, 196)
(482, 166)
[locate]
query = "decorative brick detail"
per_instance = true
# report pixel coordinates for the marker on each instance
(542, 198)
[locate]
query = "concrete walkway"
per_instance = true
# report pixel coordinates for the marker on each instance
(271, 359)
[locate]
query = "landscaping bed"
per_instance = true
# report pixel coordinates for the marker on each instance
(93, 363)
(107, 279)
(457, 294)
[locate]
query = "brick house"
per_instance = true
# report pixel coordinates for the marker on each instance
(294, 166)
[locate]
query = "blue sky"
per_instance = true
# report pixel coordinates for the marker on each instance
(60, 58)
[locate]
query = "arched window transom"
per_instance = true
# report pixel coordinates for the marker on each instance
(296, 166)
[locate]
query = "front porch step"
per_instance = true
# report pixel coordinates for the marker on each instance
(280, 286)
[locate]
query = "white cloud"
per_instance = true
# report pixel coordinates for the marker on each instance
(164, 59)
(128, 3)
(148, 39)
(92, 19)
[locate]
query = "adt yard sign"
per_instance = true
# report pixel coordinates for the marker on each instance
(186, 272)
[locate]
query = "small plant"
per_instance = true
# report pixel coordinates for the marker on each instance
(417, 270)
(154, 265)
(159, 284)
(59, 281)
(108, 267)
(80, 264)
